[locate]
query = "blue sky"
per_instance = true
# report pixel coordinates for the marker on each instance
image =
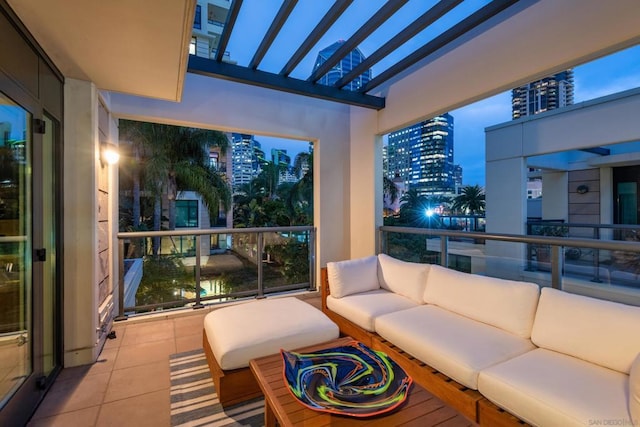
(615, 73)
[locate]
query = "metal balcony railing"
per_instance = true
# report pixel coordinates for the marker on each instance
(162, 270)
(604, 267)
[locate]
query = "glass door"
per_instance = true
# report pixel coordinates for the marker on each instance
(16, 329)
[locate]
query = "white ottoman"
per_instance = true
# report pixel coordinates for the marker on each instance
(234, 335)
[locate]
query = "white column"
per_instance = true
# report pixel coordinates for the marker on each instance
(365, 178)
(81, 165)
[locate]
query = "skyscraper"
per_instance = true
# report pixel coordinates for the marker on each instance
(346, 64)
(247, 158)
(549, 93)
(422, 156)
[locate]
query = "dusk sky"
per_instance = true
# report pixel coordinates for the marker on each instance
(615, 73)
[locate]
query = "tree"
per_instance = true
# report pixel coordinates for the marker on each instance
(389, 190)
(413, 207)
(175, 159)
(300, 200)
(471, 200)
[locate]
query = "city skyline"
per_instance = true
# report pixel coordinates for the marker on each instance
(604, 76)
(614, 73)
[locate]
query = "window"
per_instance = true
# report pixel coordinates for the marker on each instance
(186, 213)
(193, 46)
(197, 21)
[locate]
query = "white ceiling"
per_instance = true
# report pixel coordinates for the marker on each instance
(138, 47)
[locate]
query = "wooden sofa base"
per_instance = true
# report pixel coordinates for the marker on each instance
(491, 415)
(468, 402)
(463, 399)
(233, 386)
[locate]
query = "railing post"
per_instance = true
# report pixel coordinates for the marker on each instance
(596, 257)
(259, 256)
(382, 246)
(556, 267)
(529, 249)
(198, 303)
(444, 251)
(121, 315)
(312, 259)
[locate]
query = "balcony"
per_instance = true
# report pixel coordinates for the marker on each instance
(129, 383)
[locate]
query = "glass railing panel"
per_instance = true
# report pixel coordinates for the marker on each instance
(231, 267)
(158, 273)
(286, 260)
(426, 249)
(603, 266)
(177, 269)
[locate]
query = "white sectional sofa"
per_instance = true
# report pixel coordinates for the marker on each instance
(549, 358)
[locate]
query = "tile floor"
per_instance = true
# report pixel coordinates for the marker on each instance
(129, 384)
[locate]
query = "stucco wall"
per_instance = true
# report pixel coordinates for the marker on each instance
(227, 106)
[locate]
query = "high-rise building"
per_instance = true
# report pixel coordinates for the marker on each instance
(549, 93)
(280, 157)
(247, 158)
(457, 177)
(208, 23)
(422, 156)
(346, 64)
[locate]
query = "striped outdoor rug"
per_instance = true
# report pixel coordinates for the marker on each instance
(194, 401)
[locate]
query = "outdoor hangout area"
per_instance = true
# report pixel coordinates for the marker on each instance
(498, 351)
(312, 213)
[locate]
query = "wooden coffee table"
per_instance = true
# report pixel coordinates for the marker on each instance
(420, 408)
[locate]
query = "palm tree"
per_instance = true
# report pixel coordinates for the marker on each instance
(413, 206)
(471, 200)
(389, 190)
(269, 177)
(300, 200)
(176, 159)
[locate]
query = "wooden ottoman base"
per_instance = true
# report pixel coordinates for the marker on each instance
(233, 386)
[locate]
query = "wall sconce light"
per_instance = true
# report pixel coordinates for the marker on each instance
(582, 189)
(108, 154)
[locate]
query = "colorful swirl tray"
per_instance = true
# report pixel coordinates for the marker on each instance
(351, 380)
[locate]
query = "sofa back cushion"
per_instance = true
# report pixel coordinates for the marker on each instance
(404, 278)
(505, 304)
(353, 276)
(601, 332)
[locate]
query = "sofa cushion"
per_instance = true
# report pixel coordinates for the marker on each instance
(546, 388)
(363, 308)
(588, 328)
(353, 276)
(505, 304)
(454, 345)
(401, 277)
(634, 391)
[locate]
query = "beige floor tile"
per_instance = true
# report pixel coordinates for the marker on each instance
(120, 330)
(151, 409)
(190, 325)
(74, 394)
(188, 343)
(138, 380)
(148, 332)
(81, 418)
(104, 364)
(141, 354)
